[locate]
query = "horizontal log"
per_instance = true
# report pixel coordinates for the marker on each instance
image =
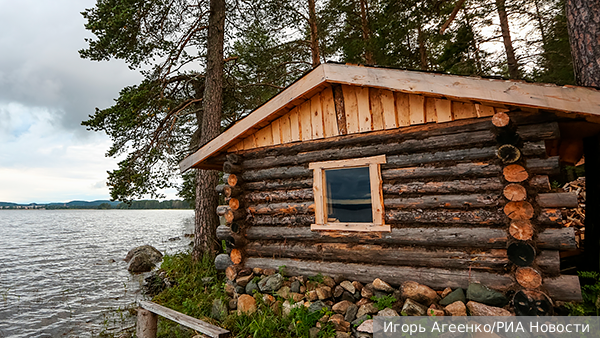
(233, 158)
(491, 238)
(279, 184)
(279, 195)
(564, 288)
(459, 170)
(542, 131)
(231, 179)
(282, 220)
(557, 239)
(551, 217)
(500, 120)
(276, 173)
(549, 262)
(515, 173)
(446, 187)
(534, 148)
(222, 210)
(493, 259)
(508, 153)
(408, 160)
(234, 215)
(394, 275)
(547, 166)
(515, 192)
(558, 200)
(234, 203)
(282, 208)
(225, 233)
(444, 201)
(220, 188)
(444, 217)
(540, 182)
(230, 191)
(229, 167)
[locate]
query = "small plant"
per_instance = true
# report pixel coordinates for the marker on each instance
(590, 294)
(224, 246)
(318, 278)
(281, 270)
(383, 301)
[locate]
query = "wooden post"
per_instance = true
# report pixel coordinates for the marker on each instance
(147, 323)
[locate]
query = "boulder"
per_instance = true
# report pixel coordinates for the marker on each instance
(222, 261)
(351, 312)
(243, 281)
(141, 262)
(366, 326)
(246, 304)
(295, 287)
(318, 306)
(367, 291)
(419, 293)
(152, 252)
(380, 285)
(457, 308)
(482, 294)
(412, 308)
(337, 291)
(328, 281)
(341, 307)
(454, 296)
(478, 309)
(446, 292)
(250, 287)
(324, 292)
(271, 283)
(348, 286)
(387, 312)
(367, 309)
(339, 323)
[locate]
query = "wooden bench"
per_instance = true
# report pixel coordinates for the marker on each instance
(147, 321)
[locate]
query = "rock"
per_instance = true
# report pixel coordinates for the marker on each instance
(478, 309)
(271, 283)
(446, 292)
(318, 306)
(324, 292)
(367, 309)
(380, 285)
(337, 291)
(431, 312)
(276, 307)
(268, 299)
(419, 293)
(366, 326)
(218, 310)
(232, 304)
(328, 281)
(269, 272)
(302, 289)
(341, 307)
(250, 287)
(351, 312)
(363, 301)
(243, 281)
(246, 304)
(284, 292)
(340, 334)
(348, 286)
(348, 296)
(222, 261)
(457, 308)
(412, 308)
(295, 287)
(239, 290)
(297, 296)
(454, 296)
(312, 295)
(257, 271)
(339, 323)
(482, 294)
(287, 307)
(367, 291)
(357, 286)
(141, 262)
(230, 289)
(397, 306)
(155, 255)
(313, 332)
(387, 312)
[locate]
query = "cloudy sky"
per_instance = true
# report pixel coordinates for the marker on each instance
(46, 90)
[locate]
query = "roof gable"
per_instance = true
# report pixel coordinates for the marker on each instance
(368, 95)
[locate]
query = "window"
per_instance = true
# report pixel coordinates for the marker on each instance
(348, 195)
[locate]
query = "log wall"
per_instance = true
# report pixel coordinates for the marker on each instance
(444, 197)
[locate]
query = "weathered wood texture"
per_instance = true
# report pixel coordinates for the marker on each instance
(147, 324)
(557, 200)
(492, 259)
(185, 320)
(481, 237)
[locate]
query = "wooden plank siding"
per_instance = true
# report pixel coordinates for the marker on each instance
(366, 109)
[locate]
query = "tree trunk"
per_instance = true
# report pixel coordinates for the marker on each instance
(366, 32)
(583, 17)
(422, 50)
(314, 37)
(206, 220)
(513, 67)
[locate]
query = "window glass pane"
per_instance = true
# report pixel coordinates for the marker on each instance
(348, 196)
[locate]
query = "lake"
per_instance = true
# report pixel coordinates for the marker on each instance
(62, 272)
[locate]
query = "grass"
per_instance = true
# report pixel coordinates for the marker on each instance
(189, 295)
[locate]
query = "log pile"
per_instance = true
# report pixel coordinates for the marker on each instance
(575, 216)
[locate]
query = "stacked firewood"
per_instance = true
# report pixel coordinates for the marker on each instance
(575, 217)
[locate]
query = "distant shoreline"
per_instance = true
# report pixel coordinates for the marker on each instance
(101, 205)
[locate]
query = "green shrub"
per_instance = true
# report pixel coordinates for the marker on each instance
(590, 294)
(383, 301)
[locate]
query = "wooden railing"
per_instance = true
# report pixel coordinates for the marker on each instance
(148, 319)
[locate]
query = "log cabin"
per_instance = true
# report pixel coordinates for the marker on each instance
(365, 172)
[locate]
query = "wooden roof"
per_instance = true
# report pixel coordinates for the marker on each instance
(467, 97)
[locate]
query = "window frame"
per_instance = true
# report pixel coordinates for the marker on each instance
(319, 191)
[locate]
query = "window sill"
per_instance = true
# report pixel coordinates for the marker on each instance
(364, 227)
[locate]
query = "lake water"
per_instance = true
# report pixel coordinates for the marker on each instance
(62, 272)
